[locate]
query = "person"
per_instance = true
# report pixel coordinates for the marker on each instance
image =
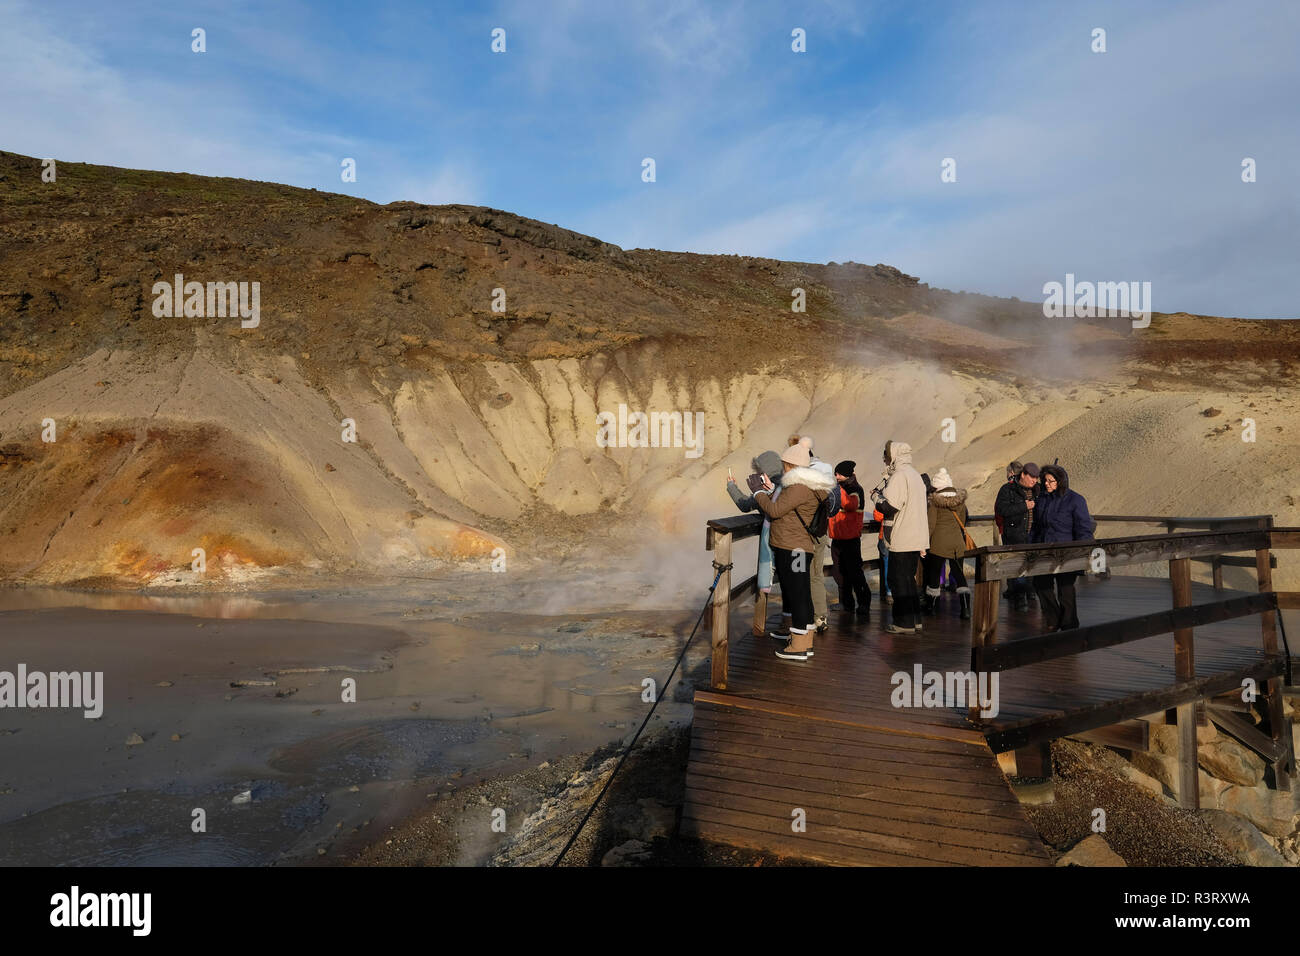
(817, 576)
(846, 542)
(1060, 515)
(802, 489)
(881, 550)
(947, 517)
(1014, 512)
(907, 535)
(768, 463)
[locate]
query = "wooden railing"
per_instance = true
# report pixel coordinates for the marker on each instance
(1217, 543)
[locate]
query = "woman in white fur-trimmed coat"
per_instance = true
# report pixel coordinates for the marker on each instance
(802, 489)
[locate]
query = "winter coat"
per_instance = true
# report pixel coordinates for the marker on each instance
(903, 503)
(847, 525)
(1061, 515)
(1011, 508)
(943, 510)
(802, 489)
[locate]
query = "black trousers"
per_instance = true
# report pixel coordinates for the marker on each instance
(846, 568)
(1057, 599)
(902, 585)
(796, 592)
(933, 564)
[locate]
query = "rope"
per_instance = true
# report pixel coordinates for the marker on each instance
(719, 568)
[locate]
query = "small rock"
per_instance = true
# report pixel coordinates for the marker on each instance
(543, 765)
(175, 737)
(627, 854)
(1243, 839)
(167, 683)
(1212, 412)
(134, 740)
(354, 789)
(243, 797)
(1092, 851)
(329, 467)
(320, 850)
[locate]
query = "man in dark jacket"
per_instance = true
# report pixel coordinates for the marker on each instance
(1060, 515)
(1014, 510)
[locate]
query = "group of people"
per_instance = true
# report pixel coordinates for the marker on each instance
(1037, 506)
(810, 508)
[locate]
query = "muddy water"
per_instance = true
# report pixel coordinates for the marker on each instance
(234, 708)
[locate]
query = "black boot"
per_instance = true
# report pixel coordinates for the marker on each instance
(963, 595)
(929, 603)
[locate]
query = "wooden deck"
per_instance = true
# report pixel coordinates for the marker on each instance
(921, 786)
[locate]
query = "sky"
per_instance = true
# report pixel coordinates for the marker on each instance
(1123, 165)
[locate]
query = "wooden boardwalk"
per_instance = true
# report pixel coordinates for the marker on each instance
(921, 786)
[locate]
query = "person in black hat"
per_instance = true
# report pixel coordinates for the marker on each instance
(1014, 510)
(846, 542)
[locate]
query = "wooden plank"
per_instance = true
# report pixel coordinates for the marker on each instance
(1128, 735)
(1062, 724)
(1032, 650)
(986, 801)
(744, 588)
(1288, 600)
(721, 611)
(1284, 539)
(827, 832)
(1009, 561)
(735, 526)
(1180, 582)
(1231, 561)
(929, 731)
(1189, 793)
(1245, 732)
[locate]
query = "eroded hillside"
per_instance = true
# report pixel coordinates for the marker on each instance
(477, 429)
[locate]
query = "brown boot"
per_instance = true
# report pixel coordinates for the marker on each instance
(760, 614)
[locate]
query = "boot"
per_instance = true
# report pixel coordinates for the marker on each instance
(930, 602)
(760, 614)
(963, 594)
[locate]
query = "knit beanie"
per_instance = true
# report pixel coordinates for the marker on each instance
(845, 468)
(797, 455)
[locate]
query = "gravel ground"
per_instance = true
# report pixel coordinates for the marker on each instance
(1139, 827)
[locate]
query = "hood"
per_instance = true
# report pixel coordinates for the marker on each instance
(1062, 479)
(951, 498)
(809, 477)
(900, 453)
(769, 463)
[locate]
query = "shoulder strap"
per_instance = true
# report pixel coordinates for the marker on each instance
(800, 517)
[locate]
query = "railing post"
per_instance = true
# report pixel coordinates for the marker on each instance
(1216, 563)
(721, 610)
(984, 616)
(1279, 727)
(1189, 789)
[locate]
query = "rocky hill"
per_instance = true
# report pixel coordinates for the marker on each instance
(476, 426)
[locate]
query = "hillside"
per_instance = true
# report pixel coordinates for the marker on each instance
(477, 428)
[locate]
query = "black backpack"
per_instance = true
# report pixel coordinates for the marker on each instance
(821, 519)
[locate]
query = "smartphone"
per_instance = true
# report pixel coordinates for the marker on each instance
(755, 481)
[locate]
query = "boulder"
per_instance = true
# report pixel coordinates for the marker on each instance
(1271, 811)
(630, 853)
(1091, 851)
(1230, 761)
(1245, 841)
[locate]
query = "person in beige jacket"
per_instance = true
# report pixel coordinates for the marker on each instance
(793, 545)
(907, 534)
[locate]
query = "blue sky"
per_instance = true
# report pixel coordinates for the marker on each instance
(1115, 166)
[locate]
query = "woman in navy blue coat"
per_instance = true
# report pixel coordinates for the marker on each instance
(1060, 515)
